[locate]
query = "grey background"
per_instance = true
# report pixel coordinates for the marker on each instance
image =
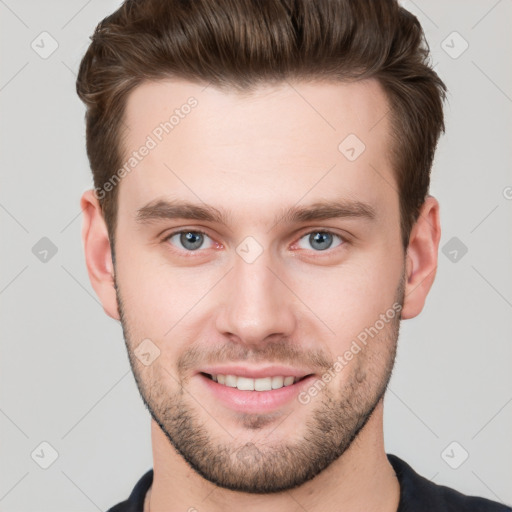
(65, 376)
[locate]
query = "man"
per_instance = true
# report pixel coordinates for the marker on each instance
(260, 224)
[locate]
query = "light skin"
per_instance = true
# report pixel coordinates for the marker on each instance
(253, 158)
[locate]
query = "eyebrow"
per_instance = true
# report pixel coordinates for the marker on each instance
(178, 209)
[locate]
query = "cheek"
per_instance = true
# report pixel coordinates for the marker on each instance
(149, 294)
(153, 308)
(348, 298)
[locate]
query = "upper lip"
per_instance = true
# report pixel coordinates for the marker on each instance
(256, 373)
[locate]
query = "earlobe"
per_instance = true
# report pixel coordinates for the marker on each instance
(98, 255)
(421, 258)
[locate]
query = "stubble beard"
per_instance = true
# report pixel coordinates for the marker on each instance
(263, 468)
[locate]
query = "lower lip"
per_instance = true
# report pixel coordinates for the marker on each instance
(255, 401)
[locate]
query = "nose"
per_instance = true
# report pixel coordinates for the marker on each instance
(256, 304)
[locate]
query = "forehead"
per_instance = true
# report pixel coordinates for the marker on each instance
(289, 139)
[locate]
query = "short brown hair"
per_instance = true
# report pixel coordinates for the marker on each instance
(240, 44)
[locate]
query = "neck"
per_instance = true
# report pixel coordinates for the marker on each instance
(362, 479)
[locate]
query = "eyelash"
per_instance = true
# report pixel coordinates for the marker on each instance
(198, 231)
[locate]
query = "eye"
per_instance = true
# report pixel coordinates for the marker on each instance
(190, 240)
(319, 240)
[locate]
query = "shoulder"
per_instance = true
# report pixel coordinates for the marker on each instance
(419, 494)
(135, 502)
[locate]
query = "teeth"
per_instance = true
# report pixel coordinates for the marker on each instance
(247, 384)
(277, 382)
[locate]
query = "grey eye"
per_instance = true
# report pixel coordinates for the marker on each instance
(189, 240)
(320, 240)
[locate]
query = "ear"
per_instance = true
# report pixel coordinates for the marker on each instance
(98, 256)
(421, 258)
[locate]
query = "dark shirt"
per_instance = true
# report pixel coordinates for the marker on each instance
(417, 494)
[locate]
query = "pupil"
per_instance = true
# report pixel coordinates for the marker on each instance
(191, 240)
(320, 238)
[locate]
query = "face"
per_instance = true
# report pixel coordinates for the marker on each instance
(250, 243)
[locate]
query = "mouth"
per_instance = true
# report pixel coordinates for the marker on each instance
(249, 389)
(256, 384)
